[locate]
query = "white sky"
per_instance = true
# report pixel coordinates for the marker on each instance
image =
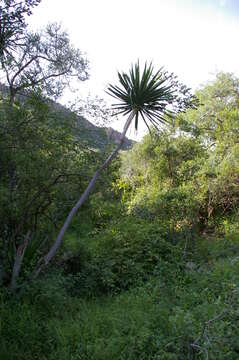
(192, 38)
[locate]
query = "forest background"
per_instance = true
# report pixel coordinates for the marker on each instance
(149, 267)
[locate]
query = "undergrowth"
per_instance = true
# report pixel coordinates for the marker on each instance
(133, 296)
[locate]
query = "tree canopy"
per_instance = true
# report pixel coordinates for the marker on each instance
(13, 23)
(29, 60)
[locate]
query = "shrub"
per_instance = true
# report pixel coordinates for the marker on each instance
(125, 255)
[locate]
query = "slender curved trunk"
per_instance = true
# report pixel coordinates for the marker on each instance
(46, 259)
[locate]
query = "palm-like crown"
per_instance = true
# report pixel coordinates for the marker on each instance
(147, 94)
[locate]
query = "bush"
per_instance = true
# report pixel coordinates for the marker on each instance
(123, 256)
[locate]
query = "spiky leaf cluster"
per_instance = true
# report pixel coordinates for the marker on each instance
(151, 95)
(148, 94)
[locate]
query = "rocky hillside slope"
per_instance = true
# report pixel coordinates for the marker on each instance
(92, 135)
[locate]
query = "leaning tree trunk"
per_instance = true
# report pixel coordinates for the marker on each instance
(46, 259)
(18, 263)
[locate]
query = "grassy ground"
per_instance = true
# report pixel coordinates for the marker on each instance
(189, 311)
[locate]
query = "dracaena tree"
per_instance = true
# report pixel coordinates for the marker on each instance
(151, 96)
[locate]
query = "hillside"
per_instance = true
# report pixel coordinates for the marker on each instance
(94, 136)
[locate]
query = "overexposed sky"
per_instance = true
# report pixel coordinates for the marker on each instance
(192, 38)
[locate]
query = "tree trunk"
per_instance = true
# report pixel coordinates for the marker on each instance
(18, 263)
(46, 259)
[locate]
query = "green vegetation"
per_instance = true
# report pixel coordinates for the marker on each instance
(149, 267)
(146, 95)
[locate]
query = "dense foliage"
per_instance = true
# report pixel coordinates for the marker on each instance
(43, 167)
(188, 174)
(149, 267)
